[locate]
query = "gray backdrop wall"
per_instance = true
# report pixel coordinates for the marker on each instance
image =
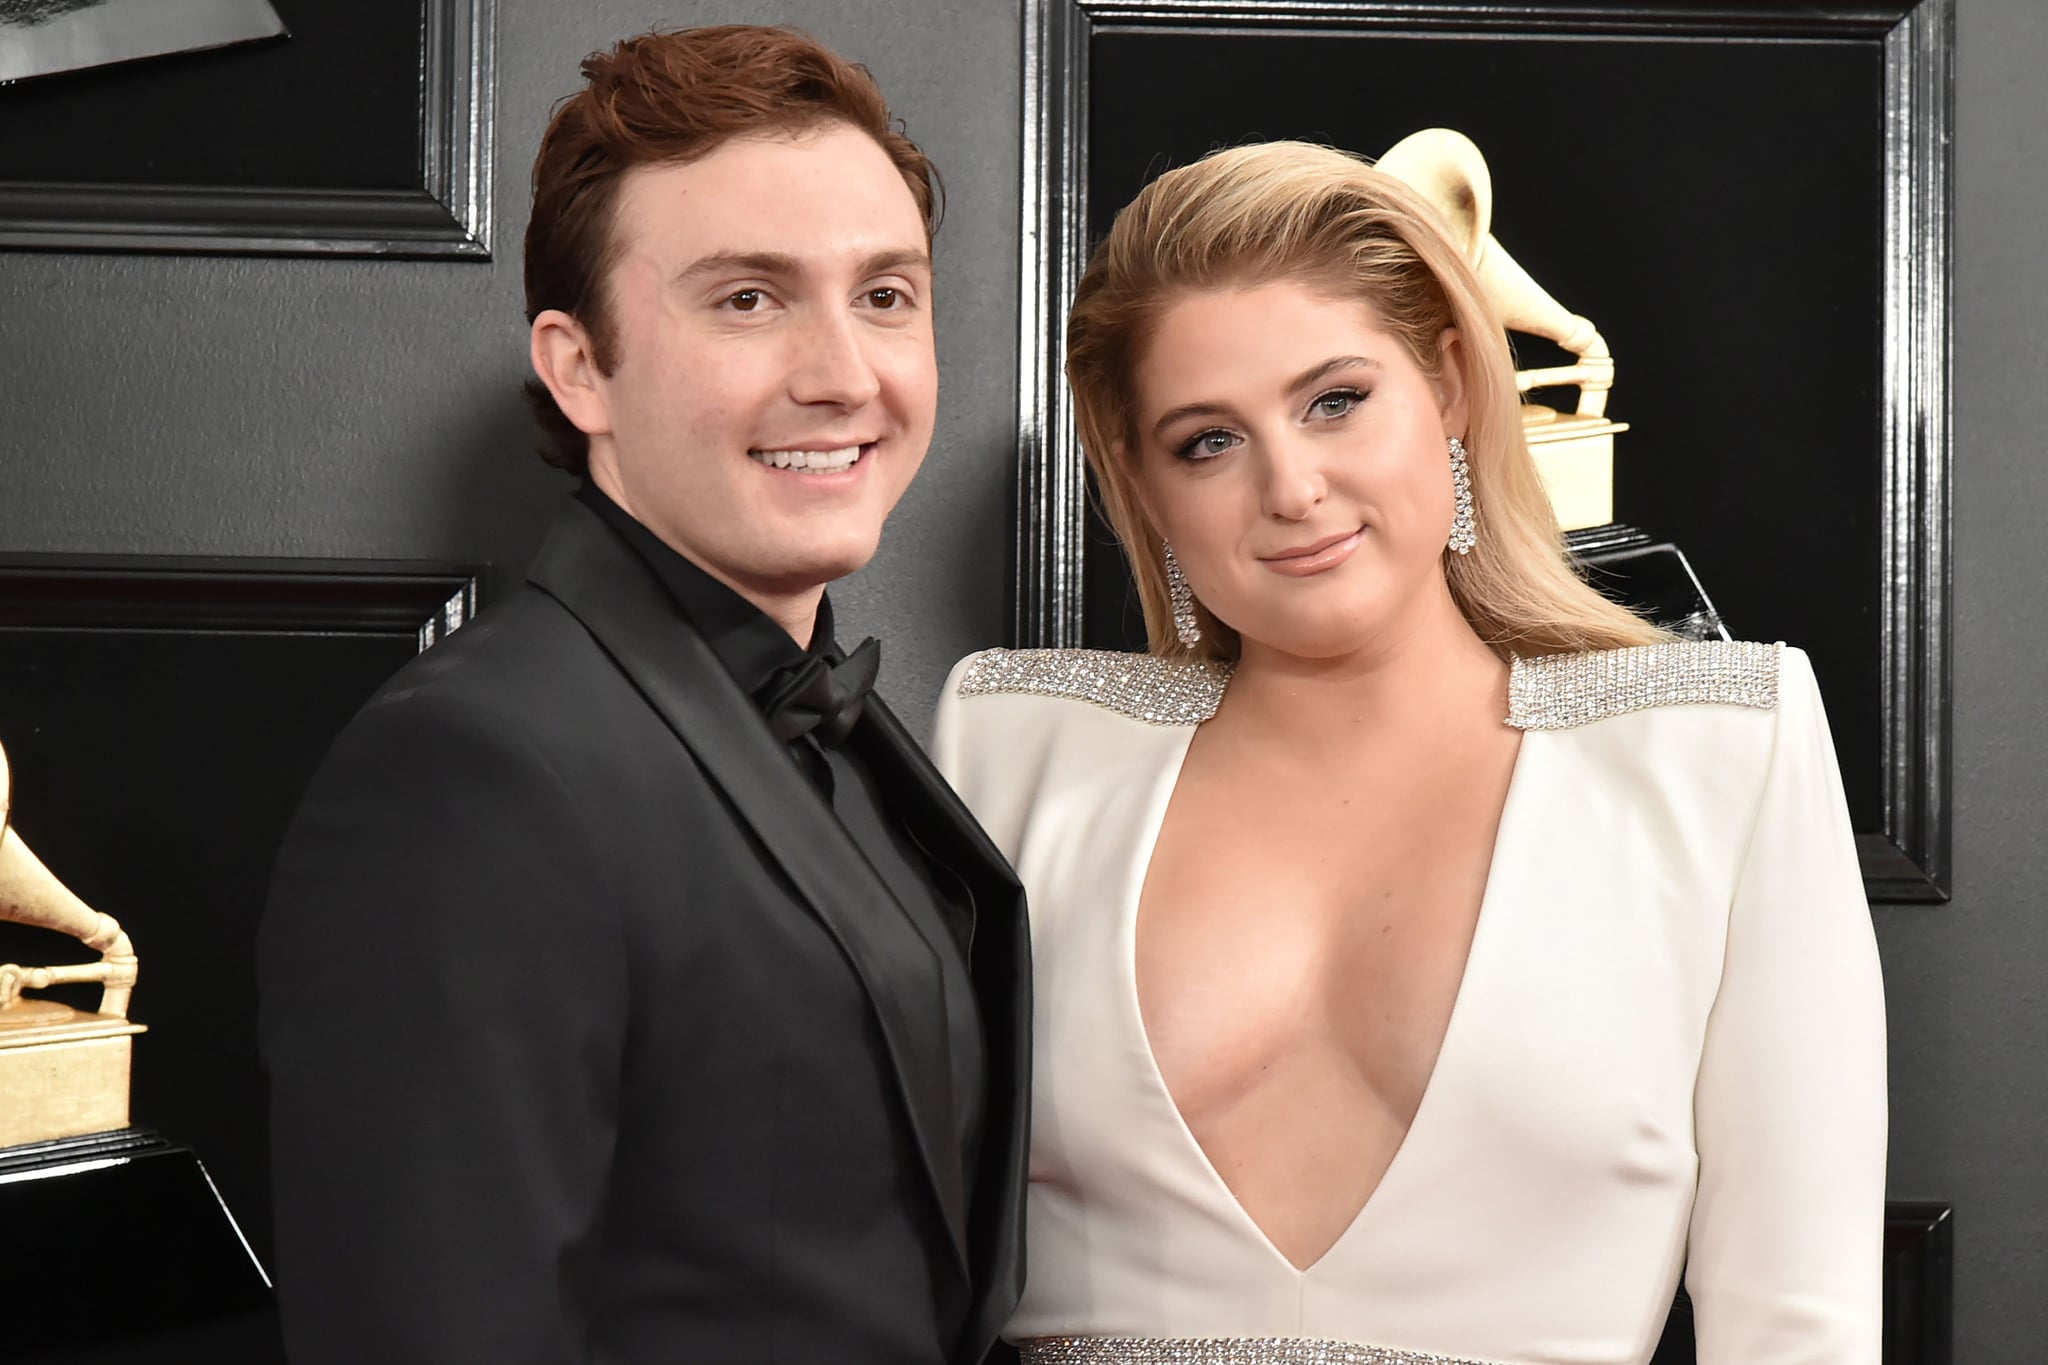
(368, 409)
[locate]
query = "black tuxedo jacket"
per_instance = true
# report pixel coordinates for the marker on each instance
(592, 1035)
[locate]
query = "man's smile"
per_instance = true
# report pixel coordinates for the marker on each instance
(813, 461)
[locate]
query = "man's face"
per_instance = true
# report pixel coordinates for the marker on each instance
(774, 386)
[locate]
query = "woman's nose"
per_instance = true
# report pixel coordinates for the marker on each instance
(1293, 480)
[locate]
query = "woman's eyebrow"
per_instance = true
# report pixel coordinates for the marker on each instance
(1172, 415)
(1333, 364)
(1294, 385)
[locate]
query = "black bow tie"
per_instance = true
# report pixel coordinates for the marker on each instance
(820, 698)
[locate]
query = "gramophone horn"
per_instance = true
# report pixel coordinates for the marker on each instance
(1447, 170)
(31, 894)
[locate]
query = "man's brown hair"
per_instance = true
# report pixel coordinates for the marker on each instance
(669, 98)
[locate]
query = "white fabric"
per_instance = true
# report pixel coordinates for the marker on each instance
(1667, 1051)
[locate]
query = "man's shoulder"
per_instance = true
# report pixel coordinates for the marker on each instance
(525, 642)
(524, 676)
(520, 708)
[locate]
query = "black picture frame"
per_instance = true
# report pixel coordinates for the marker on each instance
(1898, 762)
(147, 199)
(1919, 1282)
(1919, 1291)
(162, 717)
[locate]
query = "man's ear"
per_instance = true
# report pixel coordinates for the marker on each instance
(566, 362)
(1453, 396)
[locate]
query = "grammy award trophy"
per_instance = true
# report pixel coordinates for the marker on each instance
(112, 1229)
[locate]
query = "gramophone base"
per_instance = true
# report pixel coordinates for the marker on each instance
(1574, 457)
(111, 1234)
(64, 1079)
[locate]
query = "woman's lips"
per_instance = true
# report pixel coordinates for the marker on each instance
(1326, 553)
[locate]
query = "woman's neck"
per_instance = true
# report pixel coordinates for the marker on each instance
(1424, 670)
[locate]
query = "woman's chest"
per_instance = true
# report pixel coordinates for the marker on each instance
(1576, 1020)
(1283, 921)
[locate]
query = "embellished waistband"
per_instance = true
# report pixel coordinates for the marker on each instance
(1221, 1351)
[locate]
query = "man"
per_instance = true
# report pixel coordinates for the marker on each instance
(633, 989)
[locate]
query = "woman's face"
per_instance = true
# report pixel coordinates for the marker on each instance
(1295, 456)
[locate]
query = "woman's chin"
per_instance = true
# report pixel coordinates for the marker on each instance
(1310, 640)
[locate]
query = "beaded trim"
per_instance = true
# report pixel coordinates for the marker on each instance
(1220, 1351)
(1141, 686)
(1559, 691)
(1554, 692)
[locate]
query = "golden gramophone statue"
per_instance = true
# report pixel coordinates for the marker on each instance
(1574, 451)
(119, 1231)
(63, 1071)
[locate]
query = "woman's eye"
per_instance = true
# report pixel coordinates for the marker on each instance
(1207, 445)
(746, 301)
(1335, 403)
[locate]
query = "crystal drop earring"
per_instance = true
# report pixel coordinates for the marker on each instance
(1464, 524)
(1183, 598)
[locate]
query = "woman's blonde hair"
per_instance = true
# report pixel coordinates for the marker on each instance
(1294, 211)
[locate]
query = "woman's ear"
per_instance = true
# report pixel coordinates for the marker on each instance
(566, 362)
(1453, 396)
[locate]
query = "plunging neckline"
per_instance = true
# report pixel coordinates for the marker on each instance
(1127, 967)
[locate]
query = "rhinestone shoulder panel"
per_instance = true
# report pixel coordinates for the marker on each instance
(1141, 686)
(1560, 691)
(1221, 1351)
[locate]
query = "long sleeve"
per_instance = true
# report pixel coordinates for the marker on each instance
(1785, 1263)
(944, 745)
(443, 1014)
(995, 752)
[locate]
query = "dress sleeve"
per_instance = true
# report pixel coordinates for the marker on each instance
(992, 750)
(1785, 1257)
(947, 739)
(442, 987)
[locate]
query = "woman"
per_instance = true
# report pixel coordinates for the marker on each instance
(1370, 1027)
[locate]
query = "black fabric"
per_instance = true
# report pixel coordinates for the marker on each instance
(594, 1037)
(752, 647)
(820, 699)
(812, 698)
(800, 689)
(946, 922)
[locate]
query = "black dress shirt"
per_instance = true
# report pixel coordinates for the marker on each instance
(758, 653)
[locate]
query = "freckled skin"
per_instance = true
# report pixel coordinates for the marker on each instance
(1295, 467)
(1312, 898)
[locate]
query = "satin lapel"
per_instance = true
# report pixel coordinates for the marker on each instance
(1001, 965)
(607, 587)
(938, 817)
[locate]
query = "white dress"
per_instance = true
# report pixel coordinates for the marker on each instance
(1666, 1054)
